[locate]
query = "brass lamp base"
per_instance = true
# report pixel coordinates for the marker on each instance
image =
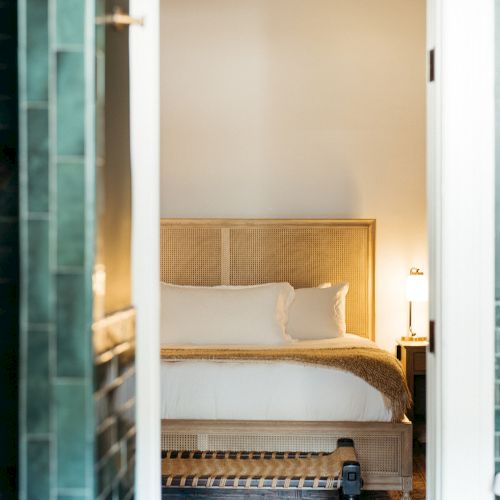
(411, 338)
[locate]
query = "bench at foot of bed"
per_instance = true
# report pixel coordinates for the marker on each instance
(337, 470)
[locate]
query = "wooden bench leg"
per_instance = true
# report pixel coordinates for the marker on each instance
(407, 487)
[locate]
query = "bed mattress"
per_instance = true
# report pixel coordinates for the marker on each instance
(227, 390)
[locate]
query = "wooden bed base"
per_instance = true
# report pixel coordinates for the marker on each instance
(384, 449)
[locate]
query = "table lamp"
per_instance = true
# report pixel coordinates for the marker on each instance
(416, 291)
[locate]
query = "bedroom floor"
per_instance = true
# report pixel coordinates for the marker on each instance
(417, 494)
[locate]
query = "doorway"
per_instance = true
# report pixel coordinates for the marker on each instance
(294, 110)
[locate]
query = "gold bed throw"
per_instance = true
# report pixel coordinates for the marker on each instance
(375, 366)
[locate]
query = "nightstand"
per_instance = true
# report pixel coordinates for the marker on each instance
(412, 357)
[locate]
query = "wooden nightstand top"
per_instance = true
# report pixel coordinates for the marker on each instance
(412, 343)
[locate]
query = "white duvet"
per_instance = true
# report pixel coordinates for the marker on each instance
(270, 390)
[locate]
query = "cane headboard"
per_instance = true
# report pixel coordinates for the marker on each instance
(304, 253)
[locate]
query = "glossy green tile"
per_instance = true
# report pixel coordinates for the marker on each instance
(38, 160)
(70, 104)
(71, 214)
(40, 282)
(38, 391)
(38, 460)
(70, 21)
(73, 338)
(37, 50)
(71, 422)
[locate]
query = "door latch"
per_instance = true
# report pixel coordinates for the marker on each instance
(119, 19)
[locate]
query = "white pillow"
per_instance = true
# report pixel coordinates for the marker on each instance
(318, 313)
(254, 315)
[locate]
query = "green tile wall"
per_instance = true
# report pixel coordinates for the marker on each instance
(57, 192)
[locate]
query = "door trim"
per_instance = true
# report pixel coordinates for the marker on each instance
(461, 145)
(145, 132)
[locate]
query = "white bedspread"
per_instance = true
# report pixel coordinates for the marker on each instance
(269, 391)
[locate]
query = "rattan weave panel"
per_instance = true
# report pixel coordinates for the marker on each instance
(306, 257)
(378, 453)
(303, 253)
(179, 441)
(190, 255)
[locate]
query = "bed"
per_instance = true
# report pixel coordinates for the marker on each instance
(253, 404)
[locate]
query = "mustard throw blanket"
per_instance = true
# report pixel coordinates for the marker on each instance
(377, 367)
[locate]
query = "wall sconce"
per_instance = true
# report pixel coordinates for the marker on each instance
(416, 291)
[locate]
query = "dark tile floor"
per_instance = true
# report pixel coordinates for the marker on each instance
(417, 494)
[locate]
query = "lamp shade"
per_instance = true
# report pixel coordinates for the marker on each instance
(416, 286)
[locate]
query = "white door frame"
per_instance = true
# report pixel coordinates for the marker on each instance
(461, 145)
(145, 145)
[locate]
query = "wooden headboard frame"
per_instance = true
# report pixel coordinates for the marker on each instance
(303, 252)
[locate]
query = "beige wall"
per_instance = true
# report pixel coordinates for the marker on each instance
(294, 108)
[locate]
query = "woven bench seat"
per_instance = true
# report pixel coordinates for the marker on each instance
(248, 470)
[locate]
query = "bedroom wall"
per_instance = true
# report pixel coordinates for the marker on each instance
(301, 109)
